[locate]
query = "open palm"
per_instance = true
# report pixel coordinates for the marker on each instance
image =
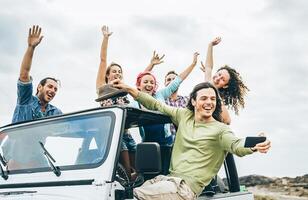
(105, 30)
(216, 41)
(156, 60)
(34, 37)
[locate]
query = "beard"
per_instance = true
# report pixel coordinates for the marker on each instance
(43, 97)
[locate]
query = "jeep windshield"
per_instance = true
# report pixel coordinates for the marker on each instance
(80, 141)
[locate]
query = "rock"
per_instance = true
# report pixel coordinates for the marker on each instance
(264, 197)
(254, 180)
(293, 187)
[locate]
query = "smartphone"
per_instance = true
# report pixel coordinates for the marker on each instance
(252, 141)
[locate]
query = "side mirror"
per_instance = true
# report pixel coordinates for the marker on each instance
(148, 159)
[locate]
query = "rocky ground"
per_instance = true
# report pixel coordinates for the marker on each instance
(265, 188)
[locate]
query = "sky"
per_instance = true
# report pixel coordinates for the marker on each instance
(265, 40)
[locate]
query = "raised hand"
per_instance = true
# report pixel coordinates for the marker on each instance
(183, 75)
(216, 41)
(101, 75)
(208, 66)
(34, 37)
(195, 59)
(156, 60)
(105, 31)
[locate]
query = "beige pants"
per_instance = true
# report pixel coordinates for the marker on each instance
(164, 187)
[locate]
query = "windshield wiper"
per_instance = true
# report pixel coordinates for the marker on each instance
(50, 160)
(4, 174)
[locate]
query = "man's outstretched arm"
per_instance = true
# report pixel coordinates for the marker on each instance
(235, 145)
(147, 100)
(34, 38)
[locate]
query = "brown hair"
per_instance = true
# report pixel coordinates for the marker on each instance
(109, 68)
(43, 82)
(193, 95)
(171, 72)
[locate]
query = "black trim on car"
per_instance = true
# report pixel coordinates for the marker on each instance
(48, 184)
(231, 173)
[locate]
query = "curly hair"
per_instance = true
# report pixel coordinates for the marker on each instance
(193, 95)
(109, 68)
(233, 95)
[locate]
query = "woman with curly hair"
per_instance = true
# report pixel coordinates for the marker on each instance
(228, 82)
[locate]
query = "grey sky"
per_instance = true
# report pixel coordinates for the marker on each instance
(266, 41)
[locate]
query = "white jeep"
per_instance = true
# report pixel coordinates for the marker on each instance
(76, 156)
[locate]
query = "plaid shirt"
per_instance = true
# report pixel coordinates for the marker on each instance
(181, 101)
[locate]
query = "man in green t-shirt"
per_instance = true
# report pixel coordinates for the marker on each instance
(200, 147)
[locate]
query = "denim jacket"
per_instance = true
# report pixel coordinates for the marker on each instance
(28, 106)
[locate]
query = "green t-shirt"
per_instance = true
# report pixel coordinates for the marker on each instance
(200, 148)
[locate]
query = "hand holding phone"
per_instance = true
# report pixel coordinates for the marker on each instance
(252, 141)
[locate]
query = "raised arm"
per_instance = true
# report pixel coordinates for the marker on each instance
(100, 79)
(207, 69)
(166, 92)
(155, 60)
(188, 70)
(34, 38)
(208, 66)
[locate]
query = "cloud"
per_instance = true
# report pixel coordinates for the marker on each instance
(288, 10)
(9, 42)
